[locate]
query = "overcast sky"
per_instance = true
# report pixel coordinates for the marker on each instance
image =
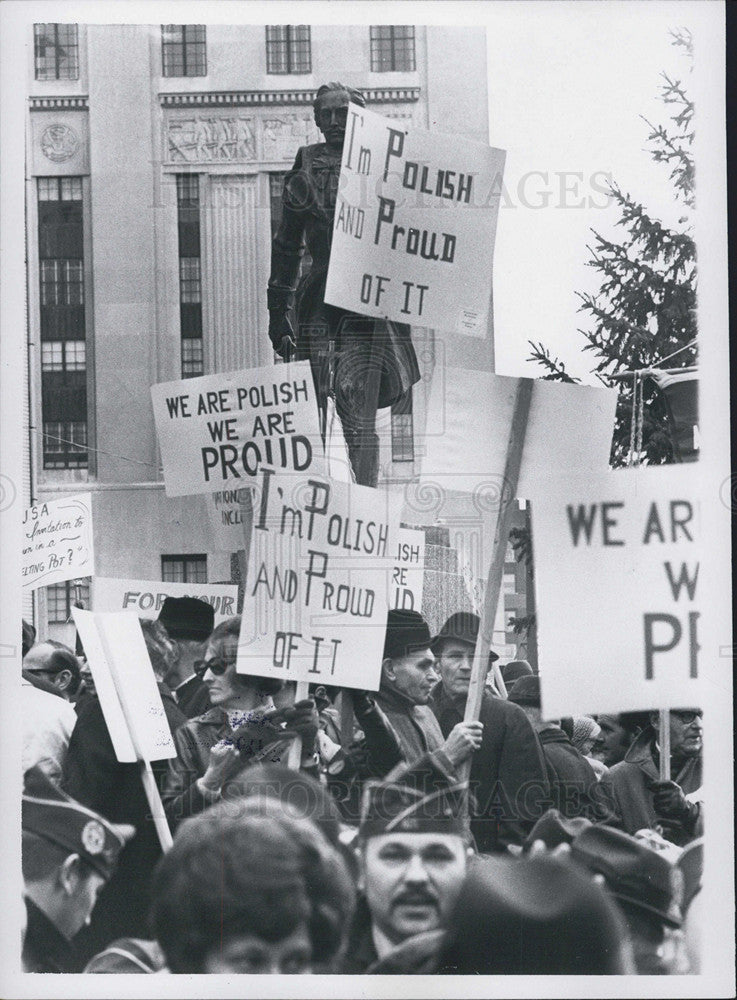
(567, 86)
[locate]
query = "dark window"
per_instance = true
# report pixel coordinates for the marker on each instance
(56, 51)
(65, 444)
(184, 569)
(190, 277)
(403, 442)
(60, 597)
(288, 48)
(184, 49)
(392, 48)
(63, 343)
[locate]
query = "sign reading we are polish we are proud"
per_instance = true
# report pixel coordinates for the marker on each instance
(219, 431)
(415, 225)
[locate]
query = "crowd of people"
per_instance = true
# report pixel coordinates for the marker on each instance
(398, 839)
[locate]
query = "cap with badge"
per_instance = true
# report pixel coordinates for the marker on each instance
(389, 807)
(54, 816)
(187, 618)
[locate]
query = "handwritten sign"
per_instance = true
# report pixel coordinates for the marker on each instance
(319, 573)
(126, 685)
(226, 510)
(146, 597)
(569, 428)
(57, 541)
(217, 432)
(617, 592)
(409, 570)
(415, 224)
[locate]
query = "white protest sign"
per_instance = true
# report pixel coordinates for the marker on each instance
(225, 509)
(319, 575)
(146, 597)
(409, 570)
(415, 224)
(218, 431)
(57, 541)
(126, 685)
(617, 592)
(569, 428)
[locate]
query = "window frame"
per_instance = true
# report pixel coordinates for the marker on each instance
(296, 51)
(397, 44)
(198, 57)
(182, 560)
(72, 43)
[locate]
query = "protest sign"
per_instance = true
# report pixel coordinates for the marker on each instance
(146, 597)
(57, 541)
(126, 685)
(318, 582)
(218, 431)
(415, 224)
(617, 592)
(226, 509)
(409, 570)
(569, 428)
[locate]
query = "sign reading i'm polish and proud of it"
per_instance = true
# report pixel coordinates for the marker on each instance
(415, 224)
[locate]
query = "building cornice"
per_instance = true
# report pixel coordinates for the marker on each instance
(77, 103)
(261, 98)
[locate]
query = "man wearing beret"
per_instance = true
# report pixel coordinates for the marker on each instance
(637, 796)
(414, 855)
(508, 776)
(408, 676)
(68, 854)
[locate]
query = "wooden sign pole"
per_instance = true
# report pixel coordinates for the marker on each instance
(295, 751)
(507, 496)
(664, 744)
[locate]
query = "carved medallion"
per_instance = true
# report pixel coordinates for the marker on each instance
(59, 143)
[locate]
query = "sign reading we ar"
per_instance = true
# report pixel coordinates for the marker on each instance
(618, 593)
(415, 224)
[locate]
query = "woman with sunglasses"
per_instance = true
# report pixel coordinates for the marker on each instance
(243, 727)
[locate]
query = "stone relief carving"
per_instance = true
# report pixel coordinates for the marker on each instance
(210, 139)
(284, 134)
(59, 143)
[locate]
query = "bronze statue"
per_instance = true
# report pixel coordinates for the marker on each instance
(364, 362)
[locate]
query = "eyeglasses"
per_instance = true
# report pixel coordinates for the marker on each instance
(688, 717)
(36, 673)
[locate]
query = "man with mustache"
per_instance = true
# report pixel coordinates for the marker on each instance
(414, 853)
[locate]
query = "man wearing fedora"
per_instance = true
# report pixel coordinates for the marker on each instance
(189, 622)
(68, 854)
(508, 776)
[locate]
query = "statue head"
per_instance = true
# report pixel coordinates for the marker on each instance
(331, 110)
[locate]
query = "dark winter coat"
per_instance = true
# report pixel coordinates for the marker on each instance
(508, 773)
(573, 783)
(93, 776)
(629, 796)
(45, 949)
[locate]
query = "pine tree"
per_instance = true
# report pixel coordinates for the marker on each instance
(644, 312)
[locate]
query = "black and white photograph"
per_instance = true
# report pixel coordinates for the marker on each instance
(365, 500)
